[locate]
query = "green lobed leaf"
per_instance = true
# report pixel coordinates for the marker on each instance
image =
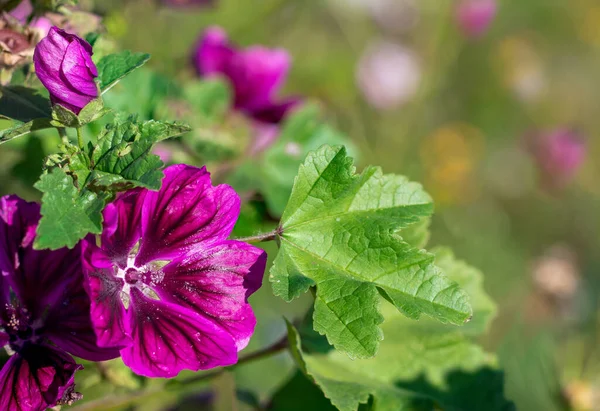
(338, 232)
(420, 365)
(471, 280)
(122, 157)
(120, 160)
(67, 215)
(114, 67)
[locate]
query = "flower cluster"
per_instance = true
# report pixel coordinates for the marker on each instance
(165, 289)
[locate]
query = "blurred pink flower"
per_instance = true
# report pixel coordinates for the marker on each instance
(475, 16)
(22, 13)
(388, 75)
(559, 154)
(164, 152)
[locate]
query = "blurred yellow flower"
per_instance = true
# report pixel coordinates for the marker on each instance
(451, 156)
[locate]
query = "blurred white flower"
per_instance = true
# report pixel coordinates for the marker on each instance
(388, 75)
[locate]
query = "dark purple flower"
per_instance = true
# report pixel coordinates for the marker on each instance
(558, 153)
(475, 16)
(63, 63)
(167, 283)
(44, 314)
(256, 74)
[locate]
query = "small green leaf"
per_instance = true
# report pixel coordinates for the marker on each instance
(211, 98)
(23, 104)
(63, 117)
(67, 215)
(24, 128)
(92, 37)
(301, 133)
(338, 232)
(92, 111)
(114, 67)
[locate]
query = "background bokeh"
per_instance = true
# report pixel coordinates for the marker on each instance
(458, 113)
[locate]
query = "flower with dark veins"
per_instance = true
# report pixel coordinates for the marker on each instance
(44, 315)
(166, 282)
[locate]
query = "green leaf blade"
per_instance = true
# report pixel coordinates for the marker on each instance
(21, 129)
(339, 232)
(67, 216)
(114, 67)
(23, 104)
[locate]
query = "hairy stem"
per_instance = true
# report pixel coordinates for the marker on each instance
(260, 238)
(79, 137)
(118, 401)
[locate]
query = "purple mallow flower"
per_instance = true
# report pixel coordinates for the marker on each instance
(256, 74)
(475, 16)
(44, 314)
(166, 283)
(63, 63)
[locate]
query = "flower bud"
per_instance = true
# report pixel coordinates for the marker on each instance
(64, 65)
(475, 16)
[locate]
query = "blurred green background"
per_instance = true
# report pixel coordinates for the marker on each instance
(460, 128)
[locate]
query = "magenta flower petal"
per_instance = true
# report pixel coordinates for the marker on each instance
(213, 52)
(37, 378)
(107, 311)
(169, 338)
(276, 112)
(257, 73)
(216, 282)
(78, 68)
(50, 285)
(18, 222)
(186, 211)
(122, 228)
(64, 66)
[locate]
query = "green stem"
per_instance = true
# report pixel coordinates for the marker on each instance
(62, 133)
(79, 137)
(260, 238)
(119, 401)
